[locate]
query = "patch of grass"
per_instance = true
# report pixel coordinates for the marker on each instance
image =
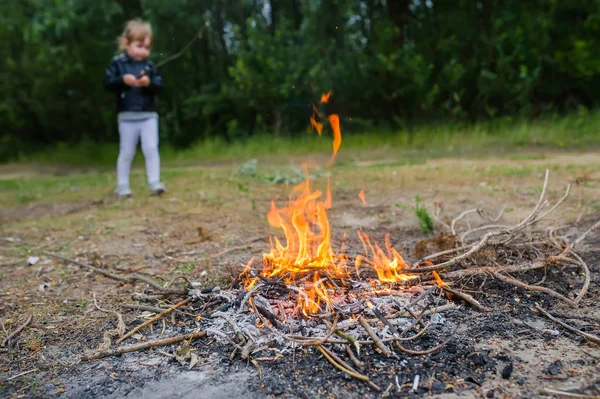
(576, 130)
(425, 219)
(189, 267)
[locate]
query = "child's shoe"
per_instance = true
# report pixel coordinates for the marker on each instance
(157, 188)
(123, 192)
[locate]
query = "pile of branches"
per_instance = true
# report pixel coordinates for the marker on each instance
(254, 326)
(506, 252)
(265, 319)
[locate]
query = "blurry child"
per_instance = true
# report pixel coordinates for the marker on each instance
(135, 104)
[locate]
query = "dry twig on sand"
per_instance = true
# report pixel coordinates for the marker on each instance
(506, 241)
(144, 345)
(129, 277)
(591, 337)
(155, 318)
(8, 339)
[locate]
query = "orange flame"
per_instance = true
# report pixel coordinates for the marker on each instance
(325, 97)
(308, 238)
(306, 259)
(361, 195)
(389, 265)
(317, 125)
(334, 121)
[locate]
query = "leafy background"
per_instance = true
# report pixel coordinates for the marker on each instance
(258, 69)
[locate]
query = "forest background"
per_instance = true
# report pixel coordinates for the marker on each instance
(520, 72)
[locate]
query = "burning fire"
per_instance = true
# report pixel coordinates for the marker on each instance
(361, 195)
(306, 260)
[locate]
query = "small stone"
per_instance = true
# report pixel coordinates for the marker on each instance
(552, 369)
(490, 394)
(507, 371)
(437, 387)
(477, 359)
(473, 380)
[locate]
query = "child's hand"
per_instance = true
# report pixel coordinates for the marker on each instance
(144, 81)
(130, 80)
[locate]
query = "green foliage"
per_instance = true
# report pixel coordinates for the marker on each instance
(425, 220)
(188, 267)
(261, 65)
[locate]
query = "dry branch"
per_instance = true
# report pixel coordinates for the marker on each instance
(145, 345)
(8, 339)
(152, 320)
(591, 337)
(374, 336)
(119, 330)
(520, 284)
(130, 277)
(330, 357)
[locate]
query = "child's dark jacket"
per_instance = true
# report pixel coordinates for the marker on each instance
(132, 99)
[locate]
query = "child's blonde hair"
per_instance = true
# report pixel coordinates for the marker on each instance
(135, 29)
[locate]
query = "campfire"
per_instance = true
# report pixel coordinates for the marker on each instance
(310, 292)
(307, 263)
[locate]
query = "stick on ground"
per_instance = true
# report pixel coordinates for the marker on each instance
(152, 320)
(145, 345)
(591, 337)
(375, 338)
(17, 331)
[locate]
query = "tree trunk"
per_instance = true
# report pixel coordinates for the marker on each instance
(220, 28)
(274, 16)
(399, 13)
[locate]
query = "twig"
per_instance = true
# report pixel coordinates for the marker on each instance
(20, 375)
(319, 341)
(582, 237)
(591, 337)
(431, 350)
(354, 374)
(520, 284)
(338, 359)
(268, 315)
(119, 330)
(144, 345)
(586, 280)
(17, 331)
(4, 328)
(482, 243)
(462, 215)
(352, 356)
(350, 339)
(131, 277)
(375, 338)
(152, 320)
(481, 228)
(465, 297)
(147, 308)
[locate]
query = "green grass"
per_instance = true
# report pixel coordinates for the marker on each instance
(576, 130)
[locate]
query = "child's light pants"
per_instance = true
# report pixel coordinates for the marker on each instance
(130, 133)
